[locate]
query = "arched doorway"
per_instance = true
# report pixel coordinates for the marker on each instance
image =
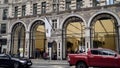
(104, 32)
(37, 39)
(18, 39)
(73, 35)
(54, 50)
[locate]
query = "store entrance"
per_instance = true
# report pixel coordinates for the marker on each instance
(73, 35)
(37, 40)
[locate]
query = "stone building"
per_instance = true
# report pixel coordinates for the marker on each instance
(58, 27)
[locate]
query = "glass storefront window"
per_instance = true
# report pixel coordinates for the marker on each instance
(104, 32)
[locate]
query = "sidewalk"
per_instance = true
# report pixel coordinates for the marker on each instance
(51, 62)
(54, 62)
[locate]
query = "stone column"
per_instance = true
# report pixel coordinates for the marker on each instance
(49, 44)
(27, 44)
(8, 42)
(118, 38)
(28, 8)
(10, 11)
(63, 44)
(59, 49)
(87, 38)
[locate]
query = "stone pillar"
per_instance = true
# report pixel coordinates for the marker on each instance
(27, 44)
(63, 45)
(8, 42)
(73, 5)
(59, 49)
(28, 8)
(118, 38)
(10, 11)
(87, 38)
(49, 46)
(62, 5)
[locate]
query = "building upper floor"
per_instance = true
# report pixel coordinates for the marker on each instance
(21, 8)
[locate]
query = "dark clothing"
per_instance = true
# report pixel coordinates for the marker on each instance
(37, 53)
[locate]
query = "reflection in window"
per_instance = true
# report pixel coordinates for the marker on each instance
(95, 3)
(55, 5)
(104, 52)
(3, 41)
(23, 10)
(104, 35)
(79, 4)
(95, 52)
(3, 28)
(108, 52)
(35, 9)
(109, 2)
(54, 24)
(16, 11)
(5, 12)
(5, 1)
(68, 3)
(43, 7)
(75, 35)
(4, 57)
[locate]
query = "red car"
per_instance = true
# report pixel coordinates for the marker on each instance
(98, 57)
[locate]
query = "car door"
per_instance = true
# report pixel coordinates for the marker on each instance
(117, 57)
(95, 59)
(4, 60)
(1, 60)
(108, 58)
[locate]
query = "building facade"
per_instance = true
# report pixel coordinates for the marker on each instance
(58, 27)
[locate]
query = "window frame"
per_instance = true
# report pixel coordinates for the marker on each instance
(3, 28)
(35, 9)
(43, 8)
(5, 1)
(68, 3)
(5, 12)
(16, 11)
(110, 2)
(79, 4)
(23, 10)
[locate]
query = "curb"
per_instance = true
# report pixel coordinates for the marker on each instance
(51, 62)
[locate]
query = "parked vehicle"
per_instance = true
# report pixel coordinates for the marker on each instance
(14, 62)
(98, 57)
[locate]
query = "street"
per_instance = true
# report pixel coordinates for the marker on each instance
(51, 66)
(54, 66)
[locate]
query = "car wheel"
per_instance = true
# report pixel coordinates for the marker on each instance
(16, 65)
(81, 65)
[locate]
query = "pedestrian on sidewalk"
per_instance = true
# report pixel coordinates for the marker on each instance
(45, 55)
